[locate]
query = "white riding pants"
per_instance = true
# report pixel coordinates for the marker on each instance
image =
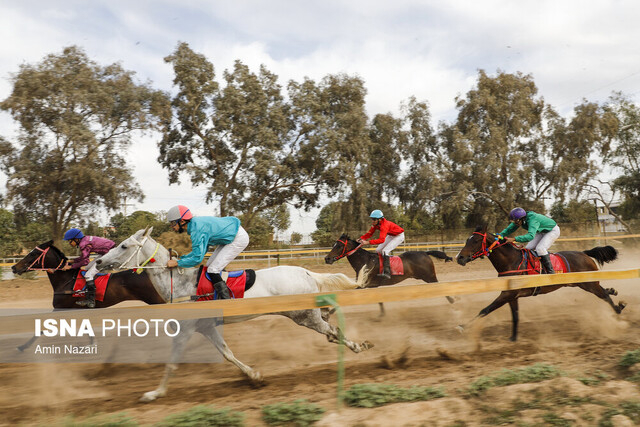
(224, 254)
(389, 244)
(543, 241)
(91, 270)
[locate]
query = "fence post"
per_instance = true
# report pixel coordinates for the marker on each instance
(324, 300)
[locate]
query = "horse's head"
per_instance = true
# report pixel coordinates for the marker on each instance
(341, 248)
(133, 252)
(42, 257)
(476, 246)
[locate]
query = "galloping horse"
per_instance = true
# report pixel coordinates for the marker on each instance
(416, 264)
(282, 280)
(122, 286)
(507, 258)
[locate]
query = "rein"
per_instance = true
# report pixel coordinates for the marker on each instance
(344, 249)
(41, 259)
(138, 268)
(484, 250)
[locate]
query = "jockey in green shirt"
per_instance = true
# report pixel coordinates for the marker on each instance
(542, 232)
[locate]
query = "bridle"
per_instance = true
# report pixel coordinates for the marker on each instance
(484, 250)
(140, 266)
(40, 258)
(344, 249)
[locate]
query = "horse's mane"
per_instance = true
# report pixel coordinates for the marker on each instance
(55, 249)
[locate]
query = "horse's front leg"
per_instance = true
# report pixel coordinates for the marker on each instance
(513, 304)
(214, 336)
(179, 343)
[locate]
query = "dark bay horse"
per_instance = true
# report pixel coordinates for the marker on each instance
(417, 264)
(123, 286)
(507, 260)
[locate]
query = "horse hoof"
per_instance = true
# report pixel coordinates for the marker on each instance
(256, 379)
(513, 339)
(451, 299)
(149, 396)
(366, 345)
(612, 291)
(621, 306)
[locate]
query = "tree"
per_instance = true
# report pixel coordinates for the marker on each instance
(236, 140)
(76, 120)
(9, 237)
(295, 238)
(126, 226)
(625, 154)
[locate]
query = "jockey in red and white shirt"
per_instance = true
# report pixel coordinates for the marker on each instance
(391, 235)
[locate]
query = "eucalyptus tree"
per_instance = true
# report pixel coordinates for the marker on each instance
(624, 154)
(334, 145)
(76, 119)
(238, 140)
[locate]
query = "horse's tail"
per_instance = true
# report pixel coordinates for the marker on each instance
(332, 281)
(441, 255)
(603, 254)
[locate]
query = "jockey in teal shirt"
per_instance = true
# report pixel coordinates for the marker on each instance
(542, 232)
(226, 233)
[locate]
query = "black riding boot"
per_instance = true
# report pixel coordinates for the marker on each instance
(546, 263)
(222, 290)
(89, 296)
(386, 267)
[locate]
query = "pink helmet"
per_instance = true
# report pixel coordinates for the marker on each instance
(179, 212)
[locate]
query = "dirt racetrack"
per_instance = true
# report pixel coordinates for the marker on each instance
(415, 344)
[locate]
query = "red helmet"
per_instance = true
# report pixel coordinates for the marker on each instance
(179, 212)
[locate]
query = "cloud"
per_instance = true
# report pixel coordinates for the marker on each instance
(428, 49)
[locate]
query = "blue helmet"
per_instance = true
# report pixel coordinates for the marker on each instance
(517, 213)
(73, 233)
(377, 214)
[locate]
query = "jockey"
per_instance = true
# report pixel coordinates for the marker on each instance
(207, 231)
(542, 232)
(87, 245)
(391, 235)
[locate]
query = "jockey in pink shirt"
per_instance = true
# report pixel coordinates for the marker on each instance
(391, 235)
(87, 245)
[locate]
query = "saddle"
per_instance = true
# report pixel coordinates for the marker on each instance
(531, 264)
(397, 267)
(101, 281)
(238, 282)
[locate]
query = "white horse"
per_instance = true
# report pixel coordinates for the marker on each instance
(138, 249)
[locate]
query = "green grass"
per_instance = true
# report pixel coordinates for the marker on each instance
(531, 374)
(300, 413)
(204, 416)
(103, 420)
(630, 358)
(372, 395)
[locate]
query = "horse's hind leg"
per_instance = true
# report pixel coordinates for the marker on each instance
(503, 298)
(26, 345)
(600, 292)
(178, 345)
(313, 320)
(214, 336)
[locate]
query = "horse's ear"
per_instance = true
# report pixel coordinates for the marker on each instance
(144, 233)
(149, 230)
(47, 244)
(484, 228)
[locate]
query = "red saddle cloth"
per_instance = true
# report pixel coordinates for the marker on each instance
(557, 261)
(397, 268)
(100, 281)
(236, 283)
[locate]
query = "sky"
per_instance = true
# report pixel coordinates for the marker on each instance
(429, 49)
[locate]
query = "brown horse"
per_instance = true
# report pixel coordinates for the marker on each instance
(123, 286)
(416, 264)
(507, 259)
